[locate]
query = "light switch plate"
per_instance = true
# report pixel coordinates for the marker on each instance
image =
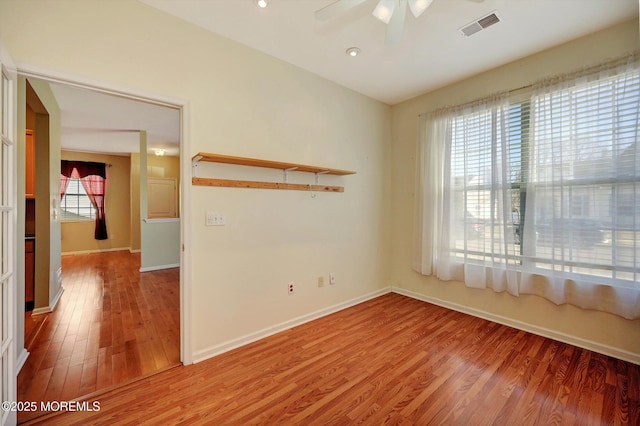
(215, 219)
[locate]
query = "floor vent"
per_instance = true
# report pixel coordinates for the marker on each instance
(480, 24)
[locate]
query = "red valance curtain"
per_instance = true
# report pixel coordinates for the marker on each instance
(93, 177)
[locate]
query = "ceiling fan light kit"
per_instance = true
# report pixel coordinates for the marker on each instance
(384, 10)
(391, 12)
(419, 6)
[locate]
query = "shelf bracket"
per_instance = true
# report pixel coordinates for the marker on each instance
(318, 176)
(285, 173)
(194, 164)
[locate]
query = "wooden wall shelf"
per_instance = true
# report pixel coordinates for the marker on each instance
(254, 162)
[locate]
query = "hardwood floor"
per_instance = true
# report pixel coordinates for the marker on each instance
(112, 324)
(391, 360)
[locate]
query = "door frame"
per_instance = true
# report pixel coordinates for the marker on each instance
(9, 241)
(110, 88)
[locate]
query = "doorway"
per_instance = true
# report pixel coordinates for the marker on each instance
(112, 248)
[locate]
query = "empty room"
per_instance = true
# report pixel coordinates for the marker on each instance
(385, 211)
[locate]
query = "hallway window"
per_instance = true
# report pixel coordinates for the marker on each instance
(75, 205)
(90, 183)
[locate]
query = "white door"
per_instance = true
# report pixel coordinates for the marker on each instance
(8, 247)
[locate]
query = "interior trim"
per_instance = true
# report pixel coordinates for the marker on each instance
(163, 220)
(27, 69)
(229, 345)
(71, 253)
(159, 267)
(21, 359)
(530, 328)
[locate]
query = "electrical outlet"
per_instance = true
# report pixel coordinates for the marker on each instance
(332, 278)
(291, 288)
(320, 281)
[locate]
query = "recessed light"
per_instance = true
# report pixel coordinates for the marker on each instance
(353, 51)
(262, 3)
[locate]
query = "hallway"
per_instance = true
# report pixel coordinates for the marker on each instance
(113, 324)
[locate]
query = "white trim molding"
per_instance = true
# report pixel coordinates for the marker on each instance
(71, 253)
(29, 69)
(40, 311)
(530, 328)
(52, 304)
(215, 350)
(22, 358)
(159, 267)
(163, 220)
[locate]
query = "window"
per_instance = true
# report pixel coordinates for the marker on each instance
(488, 155)
(90, 185)
(586, 217)
(538, 194)
(586, 179)
(75, 204)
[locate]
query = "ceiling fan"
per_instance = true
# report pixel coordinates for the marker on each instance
(391, 12)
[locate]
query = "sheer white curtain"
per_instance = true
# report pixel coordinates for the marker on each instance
(538, 195)
(582, 226)
(464, 221)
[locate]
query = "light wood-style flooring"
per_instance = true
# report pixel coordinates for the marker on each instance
(391, 360)
(112, 324)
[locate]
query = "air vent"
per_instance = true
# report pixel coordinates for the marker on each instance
(480, 24)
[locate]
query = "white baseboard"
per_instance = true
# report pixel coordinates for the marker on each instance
(71, 253)
(212, 351)
(157, 268)
(40, 311)
(52, 305)
(56, 298)
(534, 329)
(134, 251)
(21, 359)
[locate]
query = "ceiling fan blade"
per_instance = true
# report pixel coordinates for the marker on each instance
(396, 25)
(335, 9)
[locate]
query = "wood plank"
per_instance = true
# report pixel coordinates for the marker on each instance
(89, 342)
(232, 183)
(388, 360)
(255, 162)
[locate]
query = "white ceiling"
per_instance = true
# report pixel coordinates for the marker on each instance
(431, 54)
(96, 122)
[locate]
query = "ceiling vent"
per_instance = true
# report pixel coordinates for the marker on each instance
(480, 24)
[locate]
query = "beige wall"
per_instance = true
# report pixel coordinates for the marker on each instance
(604, 330)
(244, 103)
(163, 166)
(79, 236)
